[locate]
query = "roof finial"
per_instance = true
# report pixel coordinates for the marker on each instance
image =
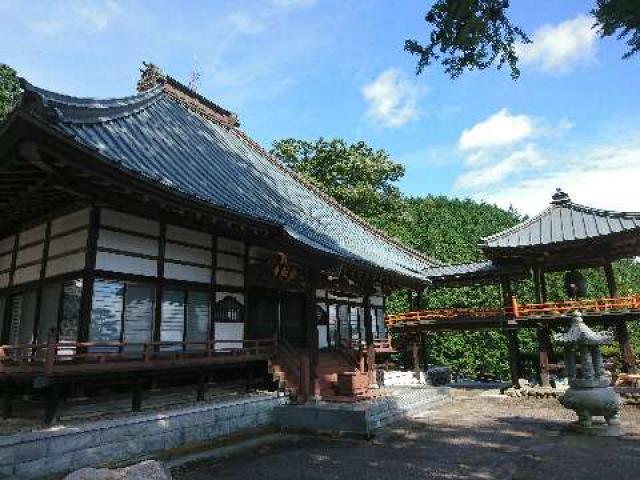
(560, 197)
(152, 75)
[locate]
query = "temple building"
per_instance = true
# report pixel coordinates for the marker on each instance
(565, 237)
(149, 236)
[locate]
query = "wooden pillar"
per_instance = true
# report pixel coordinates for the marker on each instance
(543, 332)
(202, 386)
(88, 278)
(52, 403)
(368, 328)
(136, 396)
(416, 359)
(7, 403)
(622, 333)
(313, 344)
(514, 355)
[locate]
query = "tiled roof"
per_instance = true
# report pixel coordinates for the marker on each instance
(563, 221)
(462, 269)
(157, 137)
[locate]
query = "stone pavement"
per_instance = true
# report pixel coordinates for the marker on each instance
(475, 437)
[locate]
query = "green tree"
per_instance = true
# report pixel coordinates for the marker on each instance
(477, 34)
(9, 89)
(357, 176)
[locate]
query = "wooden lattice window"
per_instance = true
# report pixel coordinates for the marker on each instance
(229, 309)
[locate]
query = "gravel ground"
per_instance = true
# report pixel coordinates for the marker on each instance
(475, 437)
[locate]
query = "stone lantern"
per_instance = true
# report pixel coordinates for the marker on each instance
(589, 393)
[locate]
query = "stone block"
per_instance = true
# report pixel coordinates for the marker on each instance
(69, 443)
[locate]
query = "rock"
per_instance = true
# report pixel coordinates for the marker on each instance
(439, 375)
(523, 383)
(147, 470)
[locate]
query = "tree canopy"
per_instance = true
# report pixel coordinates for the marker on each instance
(357, 176)
(470, 35)
(9, 89)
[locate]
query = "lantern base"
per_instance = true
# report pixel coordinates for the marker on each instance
(598, 428)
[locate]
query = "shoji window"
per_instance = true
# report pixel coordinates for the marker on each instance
(173, 317)
(353, 317)
(122, 311)
(107, 311)
(185, 317)
(322, 320)
(197, 330)
(382, 328)
(22, 316)
(343, 321)
(230, 261)
(138, 315)
(333, 325)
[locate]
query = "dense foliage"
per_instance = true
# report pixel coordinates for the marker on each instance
(450, 231)
(9, 89)
(359, 177)
(467, 35)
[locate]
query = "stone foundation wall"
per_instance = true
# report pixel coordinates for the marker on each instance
(37, 454)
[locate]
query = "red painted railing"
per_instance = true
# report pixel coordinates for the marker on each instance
(52, 357)
(601, 306)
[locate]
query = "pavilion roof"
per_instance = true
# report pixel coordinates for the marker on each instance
(171, 135)
(560, 224)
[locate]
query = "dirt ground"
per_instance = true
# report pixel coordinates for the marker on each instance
(475, 437)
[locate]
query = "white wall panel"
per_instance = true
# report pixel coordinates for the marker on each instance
(322, 336)
(229, 245)
(67, 243)
(189, 273)
(376, 301)
(6, 244)
(187, 254)
(229, 331)
(188, 236)
(69, 222)
(128, 243)
(32, 235)
(230, 261)
(235, 279)
(320, 293)
(30, 254)
(132, 223)
(69, 263)
(26, 274)
(4, 280)
(261, 253)
(5, 262)
(114, 262)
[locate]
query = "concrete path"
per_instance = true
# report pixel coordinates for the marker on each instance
(475, 437)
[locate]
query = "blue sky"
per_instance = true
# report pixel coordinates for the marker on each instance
(310, 68)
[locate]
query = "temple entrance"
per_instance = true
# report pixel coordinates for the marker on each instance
(280, 312)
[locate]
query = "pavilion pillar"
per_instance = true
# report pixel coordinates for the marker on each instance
(513, 344)
(622, 333)
(543, 331)
(368, 328)
(312, 340)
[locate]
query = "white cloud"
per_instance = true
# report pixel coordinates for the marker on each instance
(518, 161)
(393, 99)
(501, 128)
(246, 23)
(291, 4)
(69, 16)
(560, 48)
(604, 176)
